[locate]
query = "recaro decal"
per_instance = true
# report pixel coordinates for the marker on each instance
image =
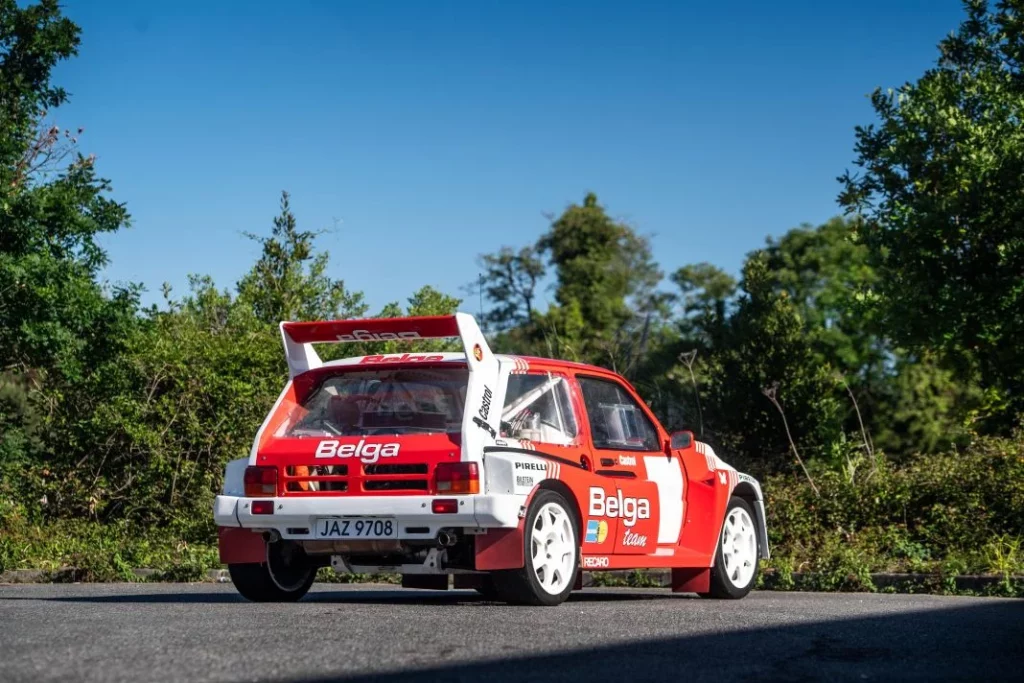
(592, 562)
(366, 452)
(629, 510)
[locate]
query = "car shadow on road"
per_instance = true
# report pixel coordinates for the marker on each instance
(972, 642)
(385, 595)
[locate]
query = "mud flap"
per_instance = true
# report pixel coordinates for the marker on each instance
(500, 549)
(240, 546)
(691, 580)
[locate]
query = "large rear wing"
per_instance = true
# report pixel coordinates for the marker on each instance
(480, 423)
(299, 337)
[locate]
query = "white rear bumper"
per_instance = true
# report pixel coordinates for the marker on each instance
(410, 512)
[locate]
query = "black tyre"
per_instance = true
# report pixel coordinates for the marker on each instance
(552, 553)
(286, 576)
(737, 554)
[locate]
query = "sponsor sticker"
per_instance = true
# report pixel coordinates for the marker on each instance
(365, 452)
(533, 466)
(634, 540)
(524, 481)
(366, 335)
(629, 510)
(627, 460)
(485, 404)
(597, 531)
(592, 562)
(478, 352)
(401, 358)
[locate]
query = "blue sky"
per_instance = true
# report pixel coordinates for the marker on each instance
(426, 133)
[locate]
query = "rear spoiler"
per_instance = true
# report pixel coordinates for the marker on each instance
(480, 423)
(299, 337)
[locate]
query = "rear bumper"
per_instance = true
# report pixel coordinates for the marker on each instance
(410, 512)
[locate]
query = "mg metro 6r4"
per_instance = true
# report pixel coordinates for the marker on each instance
(512, 474)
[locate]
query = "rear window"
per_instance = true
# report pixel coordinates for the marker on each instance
(382, 402)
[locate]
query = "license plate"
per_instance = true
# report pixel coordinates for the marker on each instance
(356, 527)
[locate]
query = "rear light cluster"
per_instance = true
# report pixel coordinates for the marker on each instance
(457, 477)
(444, 506)
(260, 481)
(263, 507)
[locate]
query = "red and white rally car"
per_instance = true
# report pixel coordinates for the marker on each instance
(512, 474)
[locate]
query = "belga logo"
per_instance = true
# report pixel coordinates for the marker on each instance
(627, 509)
(366, 452)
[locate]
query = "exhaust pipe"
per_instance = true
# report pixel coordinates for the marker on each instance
(446, 539)
(272, 536)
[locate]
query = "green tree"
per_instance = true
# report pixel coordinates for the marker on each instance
(606, 298)
(290, 281)
(511, 279)
(766, 347)
(61, 333)
(706, 293)
(940, 195)
(32, 41)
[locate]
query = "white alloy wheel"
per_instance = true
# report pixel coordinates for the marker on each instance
(739, 548)
(553, 548)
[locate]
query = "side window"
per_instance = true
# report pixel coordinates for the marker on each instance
(538, 408)
(616, 421)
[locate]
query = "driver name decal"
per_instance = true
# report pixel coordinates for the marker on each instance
(366, 452)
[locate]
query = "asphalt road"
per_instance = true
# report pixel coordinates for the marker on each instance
(205, 632)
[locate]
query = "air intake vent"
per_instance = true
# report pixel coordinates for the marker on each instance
(395, 469)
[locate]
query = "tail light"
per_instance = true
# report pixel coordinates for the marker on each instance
(260, 481)
(263, 507)
(457, 477)
(444, 506)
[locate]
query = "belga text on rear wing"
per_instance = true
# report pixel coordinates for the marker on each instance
(480, 422)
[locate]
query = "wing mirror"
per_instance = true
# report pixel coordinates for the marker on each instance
(681, 440)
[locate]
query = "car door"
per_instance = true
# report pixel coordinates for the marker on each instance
(643, 493)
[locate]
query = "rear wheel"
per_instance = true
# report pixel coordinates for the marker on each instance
(286, 576)
(736, 558)
(551, 553)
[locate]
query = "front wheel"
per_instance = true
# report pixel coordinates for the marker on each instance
(552, 555)
(286, 576)
(736, 558)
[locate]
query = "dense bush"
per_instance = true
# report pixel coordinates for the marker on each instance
(956, 512)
